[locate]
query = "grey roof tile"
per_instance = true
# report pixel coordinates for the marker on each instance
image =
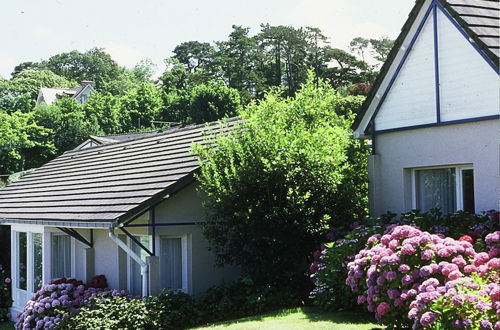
(109, 183)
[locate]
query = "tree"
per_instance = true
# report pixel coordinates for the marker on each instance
(140, 107)
(106, 110)
(381, 48)
(30, 81)
(360, 46)
(144, 70)
(95, 64)
(21, 138)
(69, 126)
(194, 54)
(24, 66)
(272, 185)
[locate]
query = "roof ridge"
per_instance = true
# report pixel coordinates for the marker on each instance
(160, 135)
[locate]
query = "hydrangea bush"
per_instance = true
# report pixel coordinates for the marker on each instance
(56, 301)
(404, 276)
(5, 297)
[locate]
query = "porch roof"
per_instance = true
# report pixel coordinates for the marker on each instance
(108, 184)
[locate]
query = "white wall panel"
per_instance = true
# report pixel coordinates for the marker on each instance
(412, 98)
(469, 86)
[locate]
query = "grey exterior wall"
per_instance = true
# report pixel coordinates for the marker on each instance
(397, 153)
(182, 207)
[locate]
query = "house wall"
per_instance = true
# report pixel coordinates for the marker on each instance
(398, 152)
(182, 207)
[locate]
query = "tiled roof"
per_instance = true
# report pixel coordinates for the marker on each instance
(481, 18)
(107, 183)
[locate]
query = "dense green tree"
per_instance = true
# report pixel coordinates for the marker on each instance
(21, 138)
(194, 55)
(274, 185)
(141, 106)
(25, 66)
(381, 48)
(67, 122)
(106, 110)
(144, 70)
(30, 81)
(94, 64)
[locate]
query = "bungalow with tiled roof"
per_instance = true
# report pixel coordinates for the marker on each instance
(128, 210)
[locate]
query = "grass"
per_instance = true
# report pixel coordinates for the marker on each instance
(6, 326)
(303, 318)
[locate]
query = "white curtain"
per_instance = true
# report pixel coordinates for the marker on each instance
(435, 188)
(61, 256)
(171, 263)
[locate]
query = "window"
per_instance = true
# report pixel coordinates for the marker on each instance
(27, 270)
(173, 263)
(61, 256)
(447, 188)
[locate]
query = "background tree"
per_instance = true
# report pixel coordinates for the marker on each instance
(273, 184)
(20, 137)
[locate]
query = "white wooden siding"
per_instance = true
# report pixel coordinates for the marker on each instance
(469, 86)
(412, 98)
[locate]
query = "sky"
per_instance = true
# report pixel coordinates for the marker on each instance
(131, 30)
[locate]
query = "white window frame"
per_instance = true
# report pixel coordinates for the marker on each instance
(458, 182)
(20, 296)
(185, 248)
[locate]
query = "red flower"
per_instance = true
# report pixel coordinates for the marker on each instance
(466, 238)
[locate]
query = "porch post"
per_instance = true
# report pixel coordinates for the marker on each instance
(154, 275)
(89, 265)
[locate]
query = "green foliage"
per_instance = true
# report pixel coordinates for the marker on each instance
(243, 298)
(5, 296)
(272, 185)
(30, 81)
(173, 310)
(111, 314)
(21, 137)
(94, 64)
(106, 110)
(67, 122)
(141, 106)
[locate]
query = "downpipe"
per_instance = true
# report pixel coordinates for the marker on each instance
(135, 256)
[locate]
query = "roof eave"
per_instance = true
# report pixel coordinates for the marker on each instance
(58, 223)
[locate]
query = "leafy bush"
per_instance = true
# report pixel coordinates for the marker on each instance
(407, 268)
(329, 269)
(274, 184)
(243, 298)
(114, 313)
(57, 301)
(173, 310)
(5, 296)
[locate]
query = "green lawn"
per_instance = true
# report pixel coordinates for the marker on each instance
(300, 318)
(6, 326)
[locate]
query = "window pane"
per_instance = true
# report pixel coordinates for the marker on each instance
(22, 246)
(436, 189)
(136, 277)
(37, 262)
(468, 190)
(171, 263)
(61, 256)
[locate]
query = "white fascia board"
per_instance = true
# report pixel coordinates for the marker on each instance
(55, 223)
(372, 107)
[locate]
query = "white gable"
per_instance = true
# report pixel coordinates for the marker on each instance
(469, 86)
(412, 97)
(439, 77)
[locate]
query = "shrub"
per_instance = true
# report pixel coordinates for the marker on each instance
(277, 181)
(56, 301)
(5, 296)
(111, 313)
(243, 298)
(404, 274)
(173, 310)
(329, 270)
